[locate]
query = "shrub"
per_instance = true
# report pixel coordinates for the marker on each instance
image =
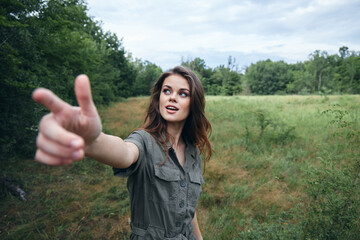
(268, 129)
(334, 208)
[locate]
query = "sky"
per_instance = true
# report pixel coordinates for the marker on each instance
(166, 31)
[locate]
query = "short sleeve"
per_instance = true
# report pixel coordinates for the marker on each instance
(138, 139)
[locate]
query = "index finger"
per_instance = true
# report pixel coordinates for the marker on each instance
(83, 95)
(49, 100)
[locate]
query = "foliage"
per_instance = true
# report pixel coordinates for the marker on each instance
(339, 116)
(322, 73)
(219, 81)
(334, 208)
(267, 77)
(266, 129)
(46, 44)
(146, 75)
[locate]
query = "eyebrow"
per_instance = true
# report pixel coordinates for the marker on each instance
(182, 89)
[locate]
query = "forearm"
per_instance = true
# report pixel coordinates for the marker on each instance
(112, 150)
(196, 228)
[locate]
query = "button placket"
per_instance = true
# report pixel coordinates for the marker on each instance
(182, 183)
(182, 198)
(182, 194)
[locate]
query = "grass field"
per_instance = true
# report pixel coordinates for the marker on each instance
(285, 167)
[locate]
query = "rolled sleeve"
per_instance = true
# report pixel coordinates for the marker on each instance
(137, 139)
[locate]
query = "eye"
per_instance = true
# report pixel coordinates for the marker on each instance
(184, 94)
(166, 91)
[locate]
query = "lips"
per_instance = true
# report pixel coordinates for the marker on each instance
(172, 108)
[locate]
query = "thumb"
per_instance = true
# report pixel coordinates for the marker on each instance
(83, 95)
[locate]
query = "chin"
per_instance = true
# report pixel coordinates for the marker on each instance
(174, 120)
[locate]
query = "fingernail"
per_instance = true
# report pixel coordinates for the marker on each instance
(76, 143)
(77, 154)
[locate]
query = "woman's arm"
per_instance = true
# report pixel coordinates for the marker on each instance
(196, 229)
(70, 132)
(113, 151)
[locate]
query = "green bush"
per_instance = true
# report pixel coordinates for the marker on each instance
(267, 129)
(334, 208)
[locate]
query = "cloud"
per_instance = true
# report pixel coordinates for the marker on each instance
(163, 31)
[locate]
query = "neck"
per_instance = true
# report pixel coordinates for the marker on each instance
(175, 131)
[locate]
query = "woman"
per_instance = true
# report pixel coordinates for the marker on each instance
(161, 160)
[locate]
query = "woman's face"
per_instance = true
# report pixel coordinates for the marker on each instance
(174, 100)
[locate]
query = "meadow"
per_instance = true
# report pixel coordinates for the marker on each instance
(285, 167)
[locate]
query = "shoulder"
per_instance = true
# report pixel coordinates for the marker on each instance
(144, 143)
(140, 136)
(140, 132)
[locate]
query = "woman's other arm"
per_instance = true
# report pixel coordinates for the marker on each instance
(196, 229)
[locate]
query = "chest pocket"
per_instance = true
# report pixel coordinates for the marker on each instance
(196, 180)
(165, 187)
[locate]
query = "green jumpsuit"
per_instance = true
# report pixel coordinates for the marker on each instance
(163, 197)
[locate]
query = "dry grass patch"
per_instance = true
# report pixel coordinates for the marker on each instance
(123, 117)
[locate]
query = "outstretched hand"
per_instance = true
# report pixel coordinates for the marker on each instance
(64, 133)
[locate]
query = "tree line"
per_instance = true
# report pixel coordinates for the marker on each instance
(320, 74)
(46, 43)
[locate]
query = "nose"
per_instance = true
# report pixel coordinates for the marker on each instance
(172, 97)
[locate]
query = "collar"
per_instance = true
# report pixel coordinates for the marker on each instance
(190, 149)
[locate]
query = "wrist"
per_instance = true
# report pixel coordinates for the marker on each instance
(90, 147)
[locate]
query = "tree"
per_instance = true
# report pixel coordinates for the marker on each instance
(348, 71)
(220, 81)
(232, 65)
(146, 75)
(267, 77)
(199, 67)
(213, 84)
(318, 66)
(48, 43)
(231, 81)
(344, 52)
(16, 82)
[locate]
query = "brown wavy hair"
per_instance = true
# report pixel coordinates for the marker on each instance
(197, 127)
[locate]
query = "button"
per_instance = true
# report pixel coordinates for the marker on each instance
(182, 204)
(182, 183)
(178, 224)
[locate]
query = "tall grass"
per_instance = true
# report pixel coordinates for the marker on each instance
(285, 167)
(270, 153)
